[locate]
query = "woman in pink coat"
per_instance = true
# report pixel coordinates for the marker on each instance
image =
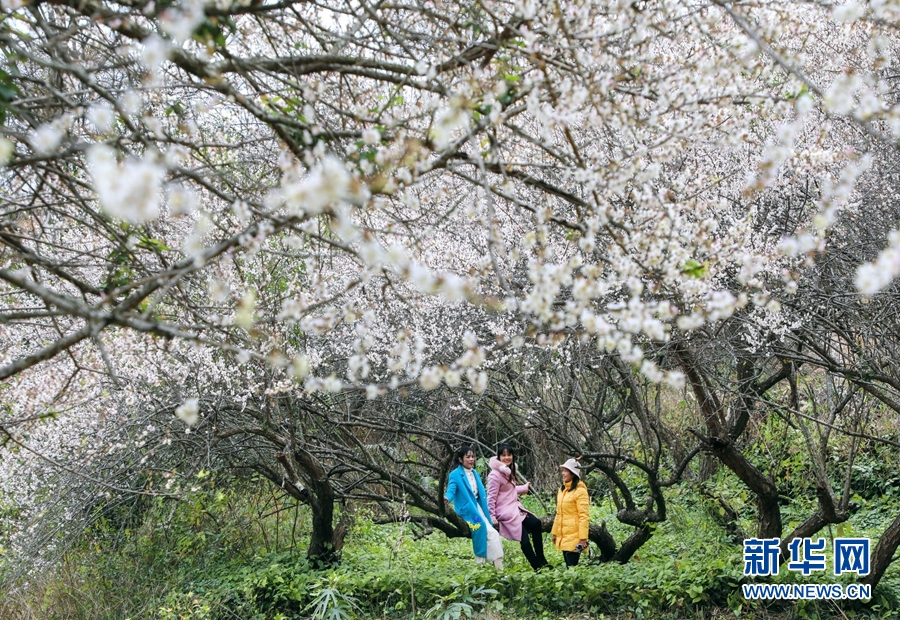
(515, 523)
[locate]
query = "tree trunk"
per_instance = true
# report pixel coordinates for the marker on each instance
(756, 481)
(322, 550)
(606, 544)
(323, 547)
(632, 544)
(884, 551)
(721, 445)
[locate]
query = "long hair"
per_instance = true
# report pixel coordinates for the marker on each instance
(505, 447)
(573, 484)
(459, 454)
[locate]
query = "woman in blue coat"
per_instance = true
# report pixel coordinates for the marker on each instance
(466, 491)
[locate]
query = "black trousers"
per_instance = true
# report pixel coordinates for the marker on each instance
(531, 531)
(571, 557)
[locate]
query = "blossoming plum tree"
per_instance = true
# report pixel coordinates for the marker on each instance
(304, 187)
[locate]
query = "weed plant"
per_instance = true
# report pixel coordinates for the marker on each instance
(229, 552)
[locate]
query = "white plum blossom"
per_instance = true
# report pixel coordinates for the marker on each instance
(218, 289)
(422, 277)
(397, 256)
(650, 370)
(804, 104)
(7, 149)
(46, 138)
(182, 200)
(241, 211)
(479, 380)
(722, 304)
(102, 116)
(430, 378)
(789, 246)
(194, 243)
(244, 317)
(452, 378)
(674, 379)
(689, 322)
(452, 287)
(469, 339)
(131, 102)
(180, 23)
(839, 98)
(128, 191)
(328, 182)
(332, 384)
(154, 52)
(848, 12)
(188, 412)
(175, 156)
(447, 122)
(371, 136)
(873, 277)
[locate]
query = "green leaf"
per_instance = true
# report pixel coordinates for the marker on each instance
(694, 268)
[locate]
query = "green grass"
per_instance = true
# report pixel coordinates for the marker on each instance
(227, 554)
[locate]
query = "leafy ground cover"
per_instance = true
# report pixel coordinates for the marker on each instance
(229, 554)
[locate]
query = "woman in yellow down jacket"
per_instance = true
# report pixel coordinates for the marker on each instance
(570, 527)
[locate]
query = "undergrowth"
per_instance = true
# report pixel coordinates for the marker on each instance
(230, 553)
